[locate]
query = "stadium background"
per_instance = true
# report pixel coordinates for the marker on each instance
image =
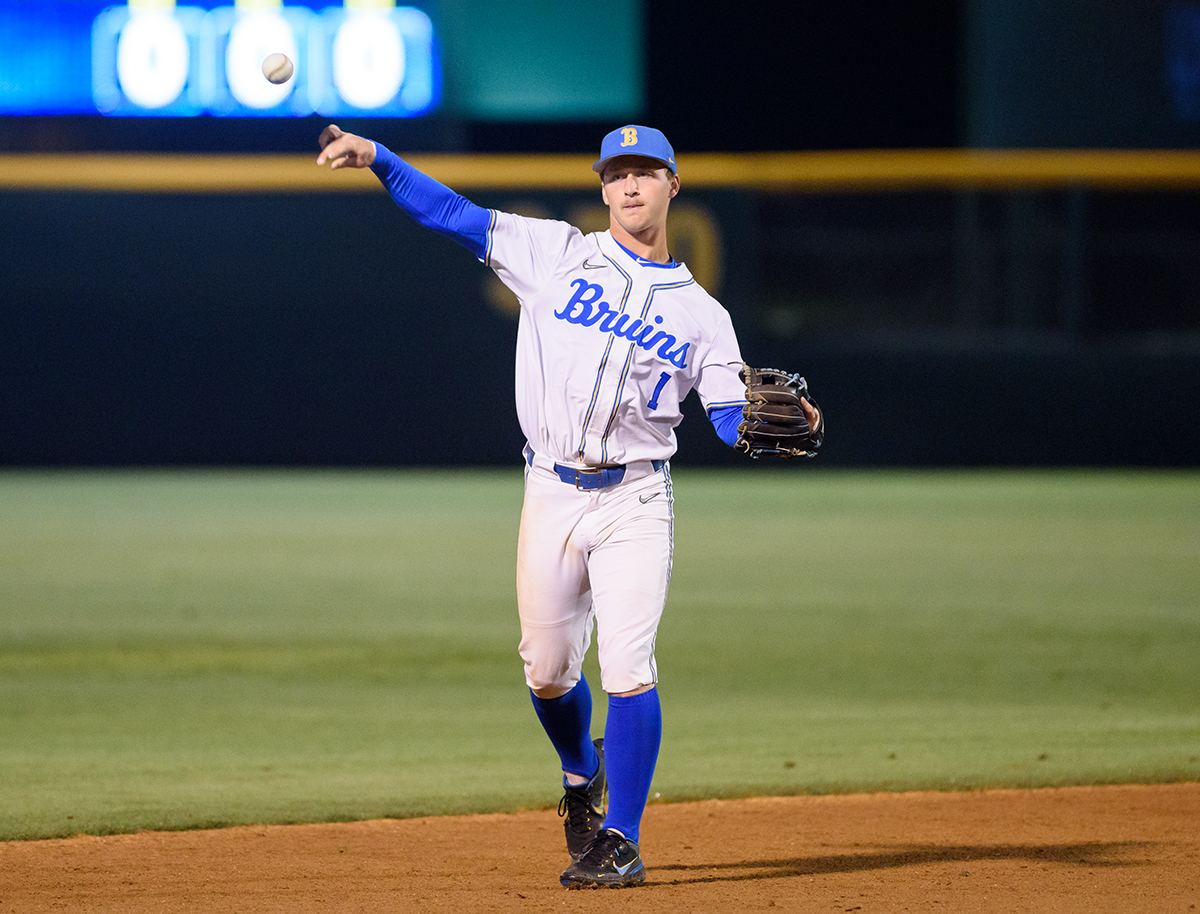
(955, 311)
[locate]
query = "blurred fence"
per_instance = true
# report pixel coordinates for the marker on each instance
(948, 307)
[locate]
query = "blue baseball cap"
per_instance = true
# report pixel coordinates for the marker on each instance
(634, 140)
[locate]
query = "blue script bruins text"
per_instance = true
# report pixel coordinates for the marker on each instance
(583, 308)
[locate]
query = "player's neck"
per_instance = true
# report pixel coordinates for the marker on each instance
(650, 244)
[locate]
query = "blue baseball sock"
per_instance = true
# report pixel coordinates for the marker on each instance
(632, 735)
(567, 720)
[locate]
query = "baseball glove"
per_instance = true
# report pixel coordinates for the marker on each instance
(772, 421)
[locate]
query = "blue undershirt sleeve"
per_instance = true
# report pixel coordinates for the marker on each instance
(725, 420)
(432, 204)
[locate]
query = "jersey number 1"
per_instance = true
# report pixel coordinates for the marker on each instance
(663, 378)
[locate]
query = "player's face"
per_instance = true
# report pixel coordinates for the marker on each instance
(638, 191)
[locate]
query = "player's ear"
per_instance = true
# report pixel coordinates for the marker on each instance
(674, 185)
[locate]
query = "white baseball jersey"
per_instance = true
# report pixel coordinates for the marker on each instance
(608, 344)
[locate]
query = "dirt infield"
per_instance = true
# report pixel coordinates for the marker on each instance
(1117, 849)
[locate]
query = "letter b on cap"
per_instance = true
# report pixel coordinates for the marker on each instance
(629, 136)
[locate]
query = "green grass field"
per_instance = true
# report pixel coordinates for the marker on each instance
(188, 649)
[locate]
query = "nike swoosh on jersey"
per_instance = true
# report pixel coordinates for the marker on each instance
(594, 266)
(645, 498)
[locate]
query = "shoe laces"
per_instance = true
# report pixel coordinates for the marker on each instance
(577, 807)
(605, 846)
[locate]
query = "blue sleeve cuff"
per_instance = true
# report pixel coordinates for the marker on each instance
(725, 420)
(432, 204)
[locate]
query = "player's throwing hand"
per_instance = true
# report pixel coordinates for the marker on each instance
(344, 150)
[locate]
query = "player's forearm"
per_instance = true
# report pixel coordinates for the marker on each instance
(431, 203)
(725, 420)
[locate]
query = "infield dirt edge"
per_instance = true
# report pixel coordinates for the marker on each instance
(1070, 849)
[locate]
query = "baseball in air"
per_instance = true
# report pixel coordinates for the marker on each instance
(278, 68)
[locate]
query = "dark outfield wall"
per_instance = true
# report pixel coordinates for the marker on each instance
(330, 330)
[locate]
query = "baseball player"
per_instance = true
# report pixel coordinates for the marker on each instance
(613, 334)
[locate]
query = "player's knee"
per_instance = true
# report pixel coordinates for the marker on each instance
(549, 676)
(553, 657)
(627, 662)
(549, 687)
(627, 679)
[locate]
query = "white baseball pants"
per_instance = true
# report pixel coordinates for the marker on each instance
(599, 556)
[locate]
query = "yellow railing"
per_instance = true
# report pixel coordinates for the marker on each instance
(866, 171)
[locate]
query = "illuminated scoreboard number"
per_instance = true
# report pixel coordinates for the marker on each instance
(160, 59)
(377, 61)
(235, 41)
(146, 60)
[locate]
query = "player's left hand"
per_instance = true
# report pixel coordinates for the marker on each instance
(779, 418)
(344, 150)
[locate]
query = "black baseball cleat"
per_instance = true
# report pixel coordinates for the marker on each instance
(582, 809)
(612, 861)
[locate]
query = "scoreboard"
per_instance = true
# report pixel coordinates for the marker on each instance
(367, 58)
